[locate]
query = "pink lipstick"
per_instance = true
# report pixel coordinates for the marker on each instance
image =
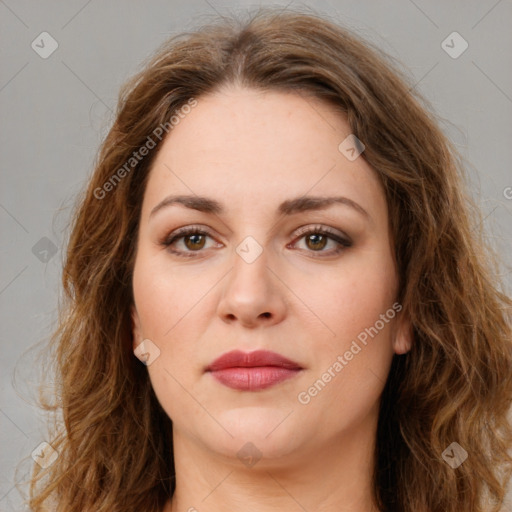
(252, 371)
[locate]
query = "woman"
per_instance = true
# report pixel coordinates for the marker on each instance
(276, 296)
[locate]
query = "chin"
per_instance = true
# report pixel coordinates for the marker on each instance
(265, 429)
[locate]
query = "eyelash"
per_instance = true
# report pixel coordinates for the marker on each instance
(195, 230)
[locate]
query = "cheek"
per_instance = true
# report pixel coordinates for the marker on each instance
(174, 308)
(351, 363)
(352, 298)
(349, 309)
(164, 298)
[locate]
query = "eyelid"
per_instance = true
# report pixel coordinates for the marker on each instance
(309, 228)
(186, 230)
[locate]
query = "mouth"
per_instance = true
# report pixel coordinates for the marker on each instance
(252, 371)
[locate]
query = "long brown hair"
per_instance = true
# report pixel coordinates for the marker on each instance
(455, 385)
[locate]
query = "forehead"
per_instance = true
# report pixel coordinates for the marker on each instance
(246, 145)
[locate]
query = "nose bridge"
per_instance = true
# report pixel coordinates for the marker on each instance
(251, 291)
(250, 274)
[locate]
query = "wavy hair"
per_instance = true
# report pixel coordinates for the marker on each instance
(455, 385)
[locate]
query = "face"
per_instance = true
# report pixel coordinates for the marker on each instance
(263, 268)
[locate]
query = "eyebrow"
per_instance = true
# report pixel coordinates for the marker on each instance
(288, 207)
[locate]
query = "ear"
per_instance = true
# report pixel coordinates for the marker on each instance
(403, 334)
(136, 327)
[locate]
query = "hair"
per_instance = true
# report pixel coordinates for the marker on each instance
(454, 385)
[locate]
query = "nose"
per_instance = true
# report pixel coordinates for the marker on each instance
(253, 294)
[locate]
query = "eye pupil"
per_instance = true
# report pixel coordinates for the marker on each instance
(316, 238)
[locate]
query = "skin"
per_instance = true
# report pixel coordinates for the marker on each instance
(250, 150)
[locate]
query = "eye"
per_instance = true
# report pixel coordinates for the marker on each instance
(316, 238)
(194, 239)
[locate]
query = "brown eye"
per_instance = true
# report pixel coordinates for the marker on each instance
(192, 240)
(195, 241)
(316, 241)
(317, 238)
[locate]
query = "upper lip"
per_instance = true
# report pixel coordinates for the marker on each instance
(237, 358)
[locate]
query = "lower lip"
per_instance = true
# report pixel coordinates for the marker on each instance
(253, 379)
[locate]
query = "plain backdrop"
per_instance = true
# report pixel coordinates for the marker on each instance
(56, 108)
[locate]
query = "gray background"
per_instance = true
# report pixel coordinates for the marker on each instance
(55, 111)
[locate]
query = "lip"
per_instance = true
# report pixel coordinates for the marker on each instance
(252, 371)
